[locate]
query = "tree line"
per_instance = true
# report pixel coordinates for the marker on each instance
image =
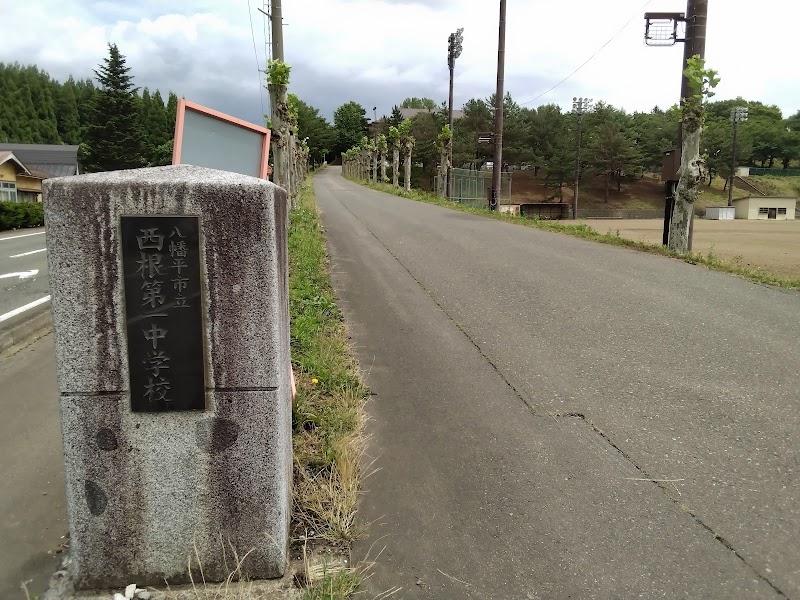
(616, 145)
(115, 124)
(118, 125)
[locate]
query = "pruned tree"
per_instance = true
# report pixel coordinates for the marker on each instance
(395, 142)
(382, 147)
(701, 81)
(445, 142)
(278, 85)
(407, 140)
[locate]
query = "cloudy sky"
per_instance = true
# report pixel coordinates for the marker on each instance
(378, 52)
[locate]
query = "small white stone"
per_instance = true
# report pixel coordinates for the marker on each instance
(130, 591)
(119, 597)
(143, 595)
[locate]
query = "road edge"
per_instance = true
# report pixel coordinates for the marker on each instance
(24, 329)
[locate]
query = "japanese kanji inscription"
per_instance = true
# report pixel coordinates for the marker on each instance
(163, 311)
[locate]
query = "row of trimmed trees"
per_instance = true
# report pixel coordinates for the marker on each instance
(369, 157)
(290, 155)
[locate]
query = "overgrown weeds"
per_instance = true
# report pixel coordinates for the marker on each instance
(328, 416)
(584, 231)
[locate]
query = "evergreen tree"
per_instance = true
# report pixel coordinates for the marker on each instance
(395, 118)
(114, 139)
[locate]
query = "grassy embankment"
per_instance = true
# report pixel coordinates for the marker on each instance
(584, 231)
(328, 417)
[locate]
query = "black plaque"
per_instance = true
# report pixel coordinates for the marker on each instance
(163, 311)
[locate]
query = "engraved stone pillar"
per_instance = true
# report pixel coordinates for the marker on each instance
(170, 309)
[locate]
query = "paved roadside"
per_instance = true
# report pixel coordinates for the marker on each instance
(527, 387)
(32, 497)
(23, 268)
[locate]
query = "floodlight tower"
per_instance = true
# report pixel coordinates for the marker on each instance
(738, 115)
(580, 106)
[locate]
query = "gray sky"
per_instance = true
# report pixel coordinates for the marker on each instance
(377, 52)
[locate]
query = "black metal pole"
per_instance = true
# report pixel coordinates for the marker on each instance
(498, 111)
(449, 173)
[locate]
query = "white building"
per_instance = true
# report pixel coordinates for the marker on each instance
(765, 207)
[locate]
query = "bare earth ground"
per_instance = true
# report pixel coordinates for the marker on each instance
(770, 245)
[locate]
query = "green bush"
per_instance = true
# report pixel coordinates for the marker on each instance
(14, 215)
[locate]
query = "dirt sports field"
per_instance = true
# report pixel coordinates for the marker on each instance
(773, 246)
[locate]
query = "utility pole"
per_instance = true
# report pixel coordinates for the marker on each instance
(497, 167)
(277, 30)
(579, 107)
(661, 30)
(454, 46)
(739, 114)
(695, 45)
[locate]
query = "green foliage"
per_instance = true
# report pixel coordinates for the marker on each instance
(700, 79)
(382, 144)
(445, 135)
(115, 138)
(394, 137)
(321, 134)
(16, 215)
(350, 122)
(424, 103)
(34, 109)
(278, 73)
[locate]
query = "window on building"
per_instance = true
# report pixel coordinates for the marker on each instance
(27, 196)
(763, 210)
(8, 191)
(781, 211)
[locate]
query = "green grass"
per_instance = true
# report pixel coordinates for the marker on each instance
(584, 231)
(778, 186)
(328, 415)
(335, 586)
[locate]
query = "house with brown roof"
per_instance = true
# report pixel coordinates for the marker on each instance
(24, 166)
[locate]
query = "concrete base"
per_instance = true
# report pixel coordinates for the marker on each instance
(62, 588)
(147, 490)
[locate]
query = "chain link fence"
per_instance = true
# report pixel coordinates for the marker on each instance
(473, 188)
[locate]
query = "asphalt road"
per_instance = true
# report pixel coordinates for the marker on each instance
(21, 253)
(530, 385)
(33, 519)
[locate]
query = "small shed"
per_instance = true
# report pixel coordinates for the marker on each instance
(765, 207)
(720, 213)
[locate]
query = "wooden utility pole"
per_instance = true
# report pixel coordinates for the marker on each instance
(695, 44)
(276, 20)
(497, 167)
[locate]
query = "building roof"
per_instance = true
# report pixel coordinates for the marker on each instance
(7, 155)
(54, 160)
(410, 113)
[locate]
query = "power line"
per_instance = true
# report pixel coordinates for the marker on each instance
(258, 68)
(596, 52)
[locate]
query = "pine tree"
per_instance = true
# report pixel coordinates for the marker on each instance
(114, 139)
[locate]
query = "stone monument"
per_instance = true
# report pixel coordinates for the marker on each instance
(170, 310)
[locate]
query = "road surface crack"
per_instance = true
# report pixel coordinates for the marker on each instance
(665, 489)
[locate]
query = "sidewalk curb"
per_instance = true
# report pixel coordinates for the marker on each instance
(23, 329)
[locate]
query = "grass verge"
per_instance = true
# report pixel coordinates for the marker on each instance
(709, 260)
(328, 416)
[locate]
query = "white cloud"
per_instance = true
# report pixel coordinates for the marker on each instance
(379, 51)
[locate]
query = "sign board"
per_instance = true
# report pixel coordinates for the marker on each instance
(208, 138)
(163, 312)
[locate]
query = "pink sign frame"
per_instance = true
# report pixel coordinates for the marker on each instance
(184, 105)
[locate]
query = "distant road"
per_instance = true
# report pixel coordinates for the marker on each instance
(23, 269)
